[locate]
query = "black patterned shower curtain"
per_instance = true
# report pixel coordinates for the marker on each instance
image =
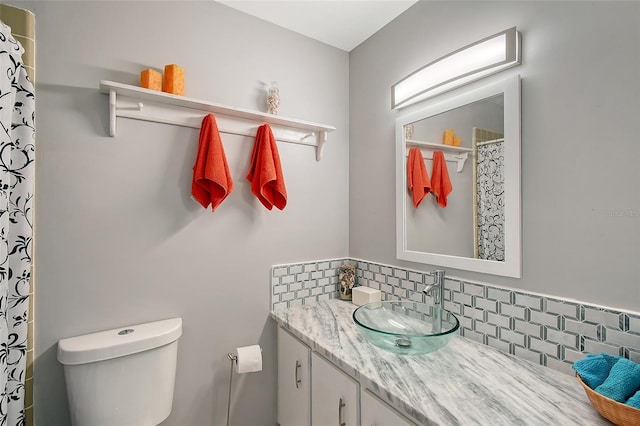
(17, 152)
(490, 193)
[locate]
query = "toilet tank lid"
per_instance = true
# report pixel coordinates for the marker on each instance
(118, 342)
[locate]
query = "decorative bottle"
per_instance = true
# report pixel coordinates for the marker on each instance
(408, 131)
(273, 99)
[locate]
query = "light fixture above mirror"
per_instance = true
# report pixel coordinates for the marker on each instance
(480, 59)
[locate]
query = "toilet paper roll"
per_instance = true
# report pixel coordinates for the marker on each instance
(249, 359)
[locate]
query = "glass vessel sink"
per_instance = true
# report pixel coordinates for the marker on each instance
(407, 328)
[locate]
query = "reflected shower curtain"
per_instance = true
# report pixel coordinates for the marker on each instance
(17, 149)
(490, 190)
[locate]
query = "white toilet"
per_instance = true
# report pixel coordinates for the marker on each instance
(122, 377)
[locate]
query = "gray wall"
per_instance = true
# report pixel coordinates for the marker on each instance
(119, 241)
(580, 151)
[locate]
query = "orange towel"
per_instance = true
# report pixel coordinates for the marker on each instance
(265, 173)
(440, 183)
(417, 177)
(211, 178)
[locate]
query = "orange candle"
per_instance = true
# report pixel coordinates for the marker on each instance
(448, 137)
(173, 79)
(151, 79)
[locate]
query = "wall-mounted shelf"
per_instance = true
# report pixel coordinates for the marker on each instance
(457, 154)
(150, 105)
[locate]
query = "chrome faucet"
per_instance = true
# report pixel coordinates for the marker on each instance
(436, 288)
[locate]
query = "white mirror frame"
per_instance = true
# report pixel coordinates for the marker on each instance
(512, 265)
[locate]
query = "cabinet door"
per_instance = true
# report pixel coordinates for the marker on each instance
(294, 387)
(375, 412)
(334, 395)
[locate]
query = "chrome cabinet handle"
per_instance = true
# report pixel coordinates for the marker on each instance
(341, 405)
(298, 380)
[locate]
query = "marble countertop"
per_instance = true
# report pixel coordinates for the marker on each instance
(464, 383)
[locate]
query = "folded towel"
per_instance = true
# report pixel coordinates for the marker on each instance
(634, 401)
(623, 381)
(417, 177)
(212, 181)
(440, 183)
(265, 173)
(594, 369)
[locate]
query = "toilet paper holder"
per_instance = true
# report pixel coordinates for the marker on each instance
(233, 358)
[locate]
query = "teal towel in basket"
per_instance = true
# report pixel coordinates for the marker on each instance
(623, 381)
(634, 401)
(594, 369)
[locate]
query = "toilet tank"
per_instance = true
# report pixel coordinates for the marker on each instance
(122, 377)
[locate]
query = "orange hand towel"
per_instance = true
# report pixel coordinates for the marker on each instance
(417, 177)
(212, 181)
(265, 173)
(440, 183)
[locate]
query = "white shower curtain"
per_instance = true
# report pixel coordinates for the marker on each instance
(17, 149)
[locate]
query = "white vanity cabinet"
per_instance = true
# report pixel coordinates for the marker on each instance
(314, 392)
(294, 384)
(334, 395)
(375, 412)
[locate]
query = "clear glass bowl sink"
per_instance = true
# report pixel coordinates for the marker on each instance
(408, 328)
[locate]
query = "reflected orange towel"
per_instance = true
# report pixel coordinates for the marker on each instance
(212, 181)
(440, 182)
(417, 177)
(265, 173)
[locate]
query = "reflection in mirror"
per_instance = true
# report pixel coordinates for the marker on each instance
(488, 194)
(453, 230)
(479, 229)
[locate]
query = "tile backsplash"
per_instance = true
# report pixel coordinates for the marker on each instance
(546, 330)
(302, 283)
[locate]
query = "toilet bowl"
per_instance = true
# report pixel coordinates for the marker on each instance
(122, 377)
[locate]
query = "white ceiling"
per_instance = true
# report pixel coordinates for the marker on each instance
(340, 23)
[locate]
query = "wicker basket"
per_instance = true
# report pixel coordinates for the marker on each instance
(614, 411)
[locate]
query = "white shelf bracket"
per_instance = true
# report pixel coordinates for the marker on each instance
(461, 159)
(112, 112)
(322, 139)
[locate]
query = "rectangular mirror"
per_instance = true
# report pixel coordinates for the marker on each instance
(479, 229)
